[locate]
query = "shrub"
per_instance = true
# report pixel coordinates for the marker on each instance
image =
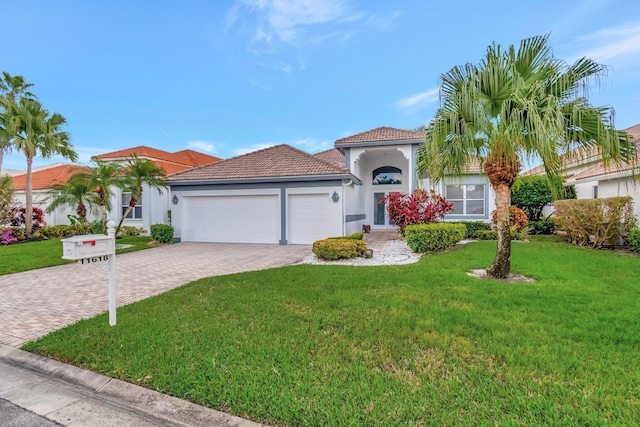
(58, 231)
(545, 226)
(7, 237)
(433, 237)
(517, 217)
(338, 248)
(19, 216)
(486, 235)
(533, 193)
(355, 236)
(595, 222)
(162, 233)
(419, 207)
(128, 230)
(472, 227)
(633, 240)
(6, 199)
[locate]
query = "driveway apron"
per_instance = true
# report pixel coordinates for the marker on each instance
(36, 302)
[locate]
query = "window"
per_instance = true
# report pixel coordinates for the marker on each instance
(136, 212)
(387, 175)
(595, 191)
(467, 199)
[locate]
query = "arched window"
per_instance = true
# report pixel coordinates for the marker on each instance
(386, 175)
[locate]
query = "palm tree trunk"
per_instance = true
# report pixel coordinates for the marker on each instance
(28, 215)
(502, 264)
(132, 204)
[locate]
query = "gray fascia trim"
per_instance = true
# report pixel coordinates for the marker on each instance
(380, 143)
(347, 158)
(283, 216)
(354, 217)
(352, 177)
(209, 186)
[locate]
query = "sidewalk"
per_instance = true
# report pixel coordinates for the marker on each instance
(76, 397)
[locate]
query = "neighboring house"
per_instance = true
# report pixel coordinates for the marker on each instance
(42, 179)
(584, 169)
(284, 195)
(154, 207)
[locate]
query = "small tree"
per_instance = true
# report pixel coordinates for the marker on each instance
(6, 199)
(533, 193)
(76, 193)
(419, 207)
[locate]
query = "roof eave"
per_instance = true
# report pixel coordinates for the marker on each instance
(256, 180)
(379, 143)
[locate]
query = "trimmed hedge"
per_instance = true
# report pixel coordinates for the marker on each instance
(433, 237)
(545, 226)
(128, 230)
(339, 248)
(472, 227)
(486, 235)
(162, 233)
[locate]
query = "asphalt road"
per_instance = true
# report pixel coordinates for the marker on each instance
(15, 416)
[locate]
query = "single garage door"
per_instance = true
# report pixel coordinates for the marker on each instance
(312, 217)
(233, 219)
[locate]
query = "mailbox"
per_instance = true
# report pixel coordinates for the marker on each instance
(87, 246)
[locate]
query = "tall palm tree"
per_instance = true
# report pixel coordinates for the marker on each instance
(138, 173)
(34, 131)
(11, 88)
(76, 193)
(516, 105)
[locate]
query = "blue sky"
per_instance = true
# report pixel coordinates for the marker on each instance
(228, 77)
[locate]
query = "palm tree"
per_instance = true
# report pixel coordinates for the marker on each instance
(138, 173)
(517, 104)
(77, 192)
(101, 180)
(11, 87)
(34, 131)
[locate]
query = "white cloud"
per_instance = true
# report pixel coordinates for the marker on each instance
(244, 150)
(415, 103)
(620, 45)
(312, 145)
(207, 147)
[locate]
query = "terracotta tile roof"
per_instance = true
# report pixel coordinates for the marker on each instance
(273, 162)
(332, 155)
(381, 134)
(601, 169)
(43, 179)
(169, 162)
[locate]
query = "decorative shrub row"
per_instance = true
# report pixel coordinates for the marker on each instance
(595, 222)
(162, 233)
(127, 230)
(339, 248)
(633, 240)
(545, 226)
(433, 237)
(486, 235)
(472, 227)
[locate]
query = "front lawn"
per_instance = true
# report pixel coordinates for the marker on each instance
(420, 344)
(47, 253)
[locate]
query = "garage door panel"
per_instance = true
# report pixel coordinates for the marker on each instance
(311, 217)
(234, 219)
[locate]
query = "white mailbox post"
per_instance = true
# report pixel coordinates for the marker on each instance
(92, 248)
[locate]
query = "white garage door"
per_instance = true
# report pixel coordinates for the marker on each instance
(234, 219)
(312, 217)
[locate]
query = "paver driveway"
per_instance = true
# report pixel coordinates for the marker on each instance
(34, 303)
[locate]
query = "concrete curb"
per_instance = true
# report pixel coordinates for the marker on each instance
(77, 397)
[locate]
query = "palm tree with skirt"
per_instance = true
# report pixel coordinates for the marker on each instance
(33, 131)
(76, 193)
(518, 104)
(102, 179)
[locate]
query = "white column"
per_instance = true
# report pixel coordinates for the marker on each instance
(111, 225)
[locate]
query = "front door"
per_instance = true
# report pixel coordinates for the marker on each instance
(380, 214)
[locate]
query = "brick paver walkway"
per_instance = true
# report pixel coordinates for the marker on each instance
(34, 303)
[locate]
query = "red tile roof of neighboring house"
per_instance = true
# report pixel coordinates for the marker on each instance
(333, 155)
(601, 169)
(169, 162)
(586, 155)
(273, 162)
(381, 134)
(43, 179)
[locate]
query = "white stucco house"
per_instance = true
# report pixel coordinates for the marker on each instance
(282, 195)
(584, 169)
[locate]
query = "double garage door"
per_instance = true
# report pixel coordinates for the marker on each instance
(256, 218)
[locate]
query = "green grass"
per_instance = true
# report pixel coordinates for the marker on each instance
(48, 253)
(421, 344)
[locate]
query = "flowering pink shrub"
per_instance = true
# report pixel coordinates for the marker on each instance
(6, 236)
(419, 207)
(19, 216)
